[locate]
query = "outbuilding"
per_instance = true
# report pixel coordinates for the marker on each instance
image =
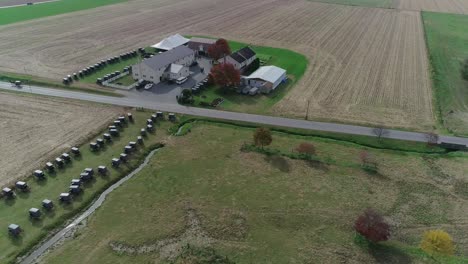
(34, 213)
(47, 204)
(266, 78)
(14, 229)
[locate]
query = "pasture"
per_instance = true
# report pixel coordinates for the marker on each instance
(35, 129)
(22, 13)
(366, 66)
(205, 190)
(447, 41)
(16, 210)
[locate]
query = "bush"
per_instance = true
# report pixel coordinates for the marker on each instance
(186, 97)
(437, 242)
(372, 226)
(262, 137)
(306, 148)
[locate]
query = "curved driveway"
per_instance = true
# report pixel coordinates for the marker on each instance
(149, 102)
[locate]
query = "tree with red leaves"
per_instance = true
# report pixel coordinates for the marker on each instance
(219, 50)
(372, 226)
(225, 75)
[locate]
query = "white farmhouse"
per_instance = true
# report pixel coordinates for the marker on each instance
(241, 59)
(266, 78)
(169, 65)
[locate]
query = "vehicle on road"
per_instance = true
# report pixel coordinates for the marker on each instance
(181, 80)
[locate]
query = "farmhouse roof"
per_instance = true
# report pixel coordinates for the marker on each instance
(175, 68)
(162, 60)
(267, 73)
(171, 42)
(243, 54)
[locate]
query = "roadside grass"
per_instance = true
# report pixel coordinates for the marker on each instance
(294, 63)
(366, 3)
(258, 208)
(446, 38)
(39, 81)
(125, 81)
(23, 13)
(16, 210)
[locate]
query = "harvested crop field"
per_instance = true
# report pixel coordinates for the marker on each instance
(366, 65)
(444, 6)
(33, 129)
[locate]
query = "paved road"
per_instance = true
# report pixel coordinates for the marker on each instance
(147, 102)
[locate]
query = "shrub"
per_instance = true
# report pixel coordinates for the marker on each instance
(306, 148)
(372, 226)
(262, 137)
(437, 242)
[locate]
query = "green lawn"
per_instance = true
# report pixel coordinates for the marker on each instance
(255, 208)
(125, 81)
(447, 41)
(110, 68)
(16, 210)
(368, 3)
(22, 13)
(294, 63)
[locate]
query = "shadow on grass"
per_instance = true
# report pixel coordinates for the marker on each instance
(389, 255)
(318, 165)
(278, 162)
(16, 240)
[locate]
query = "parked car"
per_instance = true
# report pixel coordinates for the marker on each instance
(181, 80)
(148, 86)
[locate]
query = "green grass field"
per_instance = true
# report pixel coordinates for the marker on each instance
(447, 41)
(23, 13)
(202, 190)
(367, 3)
(16, 210)
(294, 63)
(110, 68)
(126, 80)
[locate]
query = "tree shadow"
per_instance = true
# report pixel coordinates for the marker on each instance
(318, 165)
(278, 162)
(37, 222)
(389, 255)
(16, 240)
(9, 201)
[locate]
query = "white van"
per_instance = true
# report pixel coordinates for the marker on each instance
(181, 80)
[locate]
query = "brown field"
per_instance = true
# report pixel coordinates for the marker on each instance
(35, 129)
(366, 65)
(445, 6)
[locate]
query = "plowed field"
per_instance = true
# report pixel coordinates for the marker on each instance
(33, 129)
(367, 65)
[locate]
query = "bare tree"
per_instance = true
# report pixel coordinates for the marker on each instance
(432, 138)
(379, 132)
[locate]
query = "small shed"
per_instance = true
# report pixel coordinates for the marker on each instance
(50, 167)
(34, 213)
(65, 197)
(94, 146)
(47, 204)
(21, 185)
(115, 162)
(8, 193)
(40, 174)
(100, 142)
(74, 189)
(14, 229)
(65, 156)
(171, 117)
(102, 170)
(59, 162)
(84, 176)
(76, 182)
(114, 132)
(75, 150)
(123, 157)
(128, 149)
(107, 137)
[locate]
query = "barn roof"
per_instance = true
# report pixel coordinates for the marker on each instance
(243, 54)
(164, 59)
(267, 73)
(171, 42)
